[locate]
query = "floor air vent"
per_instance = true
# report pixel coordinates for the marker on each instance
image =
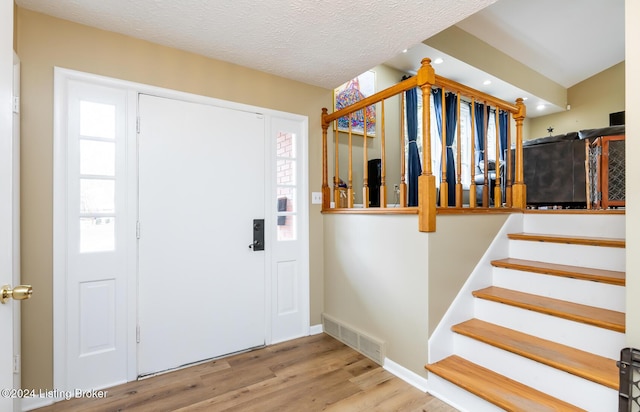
(367, 345)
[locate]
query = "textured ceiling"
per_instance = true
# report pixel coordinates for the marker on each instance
(323, 43)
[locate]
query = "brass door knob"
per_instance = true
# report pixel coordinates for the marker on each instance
(20, 292)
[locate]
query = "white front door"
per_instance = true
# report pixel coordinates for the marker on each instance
(201, 184)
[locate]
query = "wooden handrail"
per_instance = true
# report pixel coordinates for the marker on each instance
(426, 79)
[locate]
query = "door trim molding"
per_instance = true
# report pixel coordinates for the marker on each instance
(61, 77)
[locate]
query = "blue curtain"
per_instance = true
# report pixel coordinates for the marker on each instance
(451, 105)
(414, 167)
(480, 115)
(504, 126)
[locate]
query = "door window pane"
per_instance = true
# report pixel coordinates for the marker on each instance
(287, 230)
(97, 158)
(97, 120)
(97, 234)
(286, 145)
(286, 172)
(286, 198)
(97, 196)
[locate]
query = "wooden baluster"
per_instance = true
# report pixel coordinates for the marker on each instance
(365, 155)
(497, 191)
(485, 152)
(383, 160)
(473, 198)
(350, 183)
(509, 167)
(444, 187)
(403, 171)
(458, 160)
(336, 173)
(426, 77)
(519, 189)
(326, 191)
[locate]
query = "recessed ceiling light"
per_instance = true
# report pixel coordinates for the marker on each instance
(438, 60)
(525, 98)
(486, 82)
(405, 50)
(541, 107)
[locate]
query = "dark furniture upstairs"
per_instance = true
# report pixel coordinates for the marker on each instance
(554, 167)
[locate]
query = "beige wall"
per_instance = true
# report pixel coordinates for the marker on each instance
(376, 280)
(454, 250)
(633, 171)
(44, 42)
(473, 51)
(591, 102)
(394, 283)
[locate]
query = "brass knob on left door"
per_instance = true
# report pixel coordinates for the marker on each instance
(20, 292)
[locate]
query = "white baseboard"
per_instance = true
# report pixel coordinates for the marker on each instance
(405, 374)
(29, 404)
(315, 329)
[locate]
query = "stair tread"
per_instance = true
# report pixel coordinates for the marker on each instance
(598, 275)
(590, 315)
(577, 362)
(495, 388)
(575, 240)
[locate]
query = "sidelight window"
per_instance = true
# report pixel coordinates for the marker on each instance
(97, 176)
(286, 186)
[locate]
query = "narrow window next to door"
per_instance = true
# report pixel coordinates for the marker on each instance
(286, 186)
(97, 176)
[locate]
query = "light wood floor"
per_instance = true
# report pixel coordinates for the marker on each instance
(316, 373)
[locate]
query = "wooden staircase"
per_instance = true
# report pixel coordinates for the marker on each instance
(545, 334)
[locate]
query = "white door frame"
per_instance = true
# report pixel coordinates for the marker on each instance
(61, 76)
(8, 200)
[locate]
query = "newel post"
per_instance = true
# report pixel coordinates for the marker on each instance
(426, 181)
(326, 191)
(519, 189)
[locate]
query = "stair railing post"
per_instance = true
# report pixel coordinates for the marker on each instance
(326, 191)
(519, 189)
(426, 77)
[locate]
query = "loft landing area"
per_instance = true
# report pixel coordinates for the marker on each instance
(429, 145)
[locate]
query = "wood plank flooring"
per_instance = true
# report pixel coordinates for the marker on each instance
(315, 373)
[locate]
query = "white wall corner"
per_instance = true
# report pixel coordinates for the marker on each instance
(405, 374)
(315, 329)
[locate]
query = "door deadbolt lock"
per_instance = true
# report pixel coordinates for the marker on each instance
(20, 292)
(258, 235)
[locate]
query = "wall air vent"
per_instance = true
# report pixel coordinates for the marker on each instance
(367, 345)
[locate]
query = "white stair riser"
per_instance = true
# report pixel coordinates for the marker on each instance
(457, 397)
(559, 384)
(581, 336)
(576, 255)
(585, 292)
(576, 225)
